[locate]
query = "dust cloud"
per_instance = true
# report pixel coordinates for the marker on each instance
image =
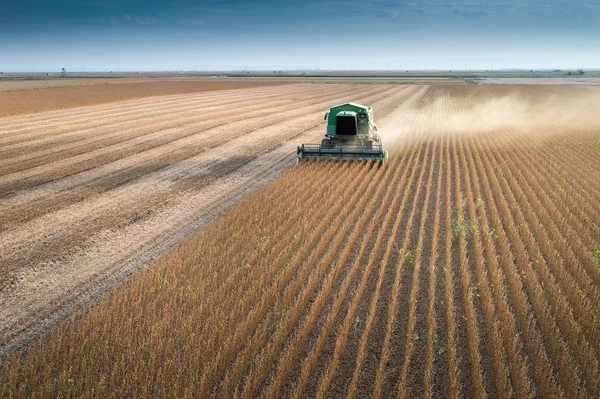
(519, 110)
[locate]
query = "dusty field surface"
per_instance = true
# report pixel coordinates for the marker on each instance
(92, 194)
(38, 84)
(468, 266)
(16, 99)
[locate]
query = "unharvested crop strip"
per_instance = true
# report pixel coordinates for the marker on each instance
(589, 276)
(482, 288)
(392, 184)
(431, 311)
(454, 376)
(287, 352)
(409, 342)
(383, 267)
(581, 283)
(543, 372)
(283, 231)
(391, 317)
(551, 268)
(518, 360)
(473, 340)
(568, 369)
(232, 350)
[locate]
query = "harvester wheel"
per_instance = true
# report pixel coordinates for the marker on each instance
(326, 143)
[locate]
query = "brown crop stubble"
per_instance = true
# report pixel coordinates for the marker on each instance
(120, 172)
(85, 158)
(28, 101)
(139, 130)
(60, 124)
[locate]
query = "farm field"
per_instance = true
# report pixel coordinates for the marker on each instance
(26, 97)
(467, 266)
(91, 194)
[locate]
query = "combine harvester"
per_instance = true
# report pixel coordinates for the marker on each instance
(351, 135)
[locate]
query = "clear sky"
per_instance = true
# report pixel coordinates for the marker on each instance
(46, 35)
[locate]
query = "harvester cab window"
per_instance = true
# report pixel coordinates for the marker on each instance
(345, 125)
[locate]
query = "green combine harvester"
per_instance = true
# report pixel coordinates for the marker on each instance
(351, 135)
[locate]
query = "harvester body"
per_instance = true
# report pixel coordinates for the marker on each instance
(351, 135)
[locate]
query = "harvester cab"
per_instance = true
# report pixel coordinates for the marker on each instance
(351, 135)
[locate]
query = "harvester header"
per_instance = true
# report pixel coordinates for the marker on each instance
(351, 135)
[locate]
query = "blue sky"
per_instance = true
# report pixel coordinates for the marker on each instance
(330, 34)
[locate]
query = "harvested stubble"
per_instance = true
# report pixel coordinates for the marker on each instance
(26, 100)
(464, 267)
